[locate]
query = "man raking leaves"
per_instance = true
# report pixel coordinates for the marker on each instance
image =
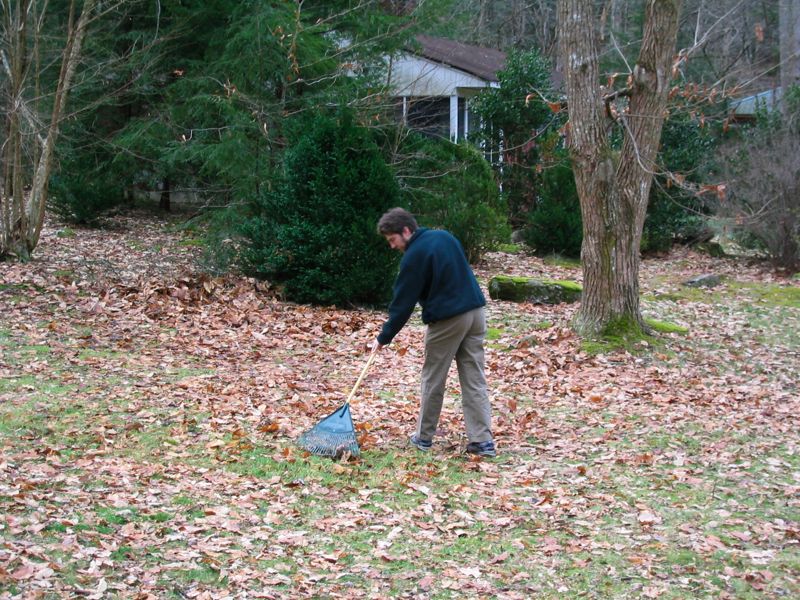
(434, 272)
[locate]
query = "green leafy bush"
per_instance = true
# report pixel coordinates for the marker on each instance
(81, 191)
(673, 213)
(315, 234)
(451, 186)
(555, 225)
(672, 217)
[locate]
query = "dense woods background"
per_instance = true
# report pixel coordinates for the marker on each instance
(202, 102)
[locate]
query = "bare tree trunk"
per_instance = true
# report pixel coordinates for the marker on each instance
(519, 14)
(485, 22)
(613, 186)
(164, 201)
(15, 27)
(22, 218)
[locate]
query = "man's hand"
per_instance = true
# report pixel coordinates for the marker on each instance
(375, 346)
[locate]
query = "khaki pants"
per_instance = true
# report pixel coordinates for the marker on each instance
(460, 337)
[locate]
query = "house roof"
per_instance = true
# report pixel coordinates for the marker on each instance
(475, 60)
(766, 100)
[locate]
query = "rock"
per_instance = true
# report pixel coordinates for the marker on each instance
(518, 237)
(708, 281)
(538, 291)
(713, 249)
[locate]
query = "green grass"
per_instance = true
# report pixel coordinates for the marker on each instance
(765, 314)
(117, 516)
(599, 544)
(557, 260)
(766, 294)
(514, 325)
(204, 574)
(511, 248)
(636, 345)
(191, 243)
(769, 294)
(493, 333)
(559, 517)
(18, 292)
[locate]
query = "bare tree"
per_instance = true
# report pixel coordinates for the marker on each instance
(614, 186)
(30, 137)
(763, 200)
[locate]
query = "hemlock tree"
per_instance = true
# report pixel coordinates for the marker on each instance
(510, 129)
(228, 79)
(30, 134)
(613, 186)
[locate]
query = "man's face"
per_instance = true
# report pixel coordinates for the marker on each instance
(398, 241)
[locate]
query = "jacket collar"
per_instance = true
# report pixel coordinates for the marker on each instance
(415, 235)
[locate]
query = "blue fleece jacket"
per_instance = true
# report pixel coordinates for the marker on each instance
(434, 272)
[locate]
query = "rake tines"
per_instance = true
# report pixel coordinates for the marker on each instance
(335, 435)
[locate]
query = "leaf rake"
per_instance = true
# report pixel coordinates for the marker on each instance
(335, 435)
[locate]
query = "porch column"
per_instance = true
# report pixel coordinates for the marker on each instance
(454, 118)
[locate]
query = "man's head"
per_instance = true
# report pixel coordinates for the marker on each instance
(397, 226)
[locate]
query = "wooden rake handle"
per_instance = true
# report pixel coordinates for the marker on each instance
(361, 377)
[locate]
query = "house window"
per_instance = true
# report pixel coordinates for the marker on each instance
(430, 116)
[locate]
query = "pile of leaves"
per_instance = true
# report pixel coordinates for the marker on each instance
(148, 415)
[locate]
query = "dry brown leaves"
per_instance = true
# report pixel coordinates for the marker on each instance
(154, 343)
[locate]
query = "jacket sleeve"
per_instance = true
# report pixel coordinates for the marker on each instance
(408, 289)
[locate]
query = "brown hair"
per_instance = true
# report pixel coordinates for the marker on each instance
(395, 220)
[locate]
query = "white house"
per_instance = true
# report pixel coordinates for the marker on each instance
(434, 81)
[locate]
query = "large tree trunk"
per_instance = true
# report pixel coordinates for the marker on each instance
(613, 186)
(22, 215)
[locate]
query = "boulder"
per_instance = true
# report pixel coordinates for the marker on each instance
(538, 291)
(713, 249)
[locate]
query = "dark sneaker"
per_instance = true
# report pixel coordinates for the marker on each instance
(482, 448)
(420, 444)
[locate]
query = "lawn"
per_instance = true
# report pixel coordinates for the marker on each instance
(148, 415)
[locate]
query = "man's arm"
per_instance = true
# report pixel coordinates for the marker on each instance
(407, 290)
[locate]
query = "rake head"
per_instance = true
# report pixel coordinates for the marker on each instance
(332, 436)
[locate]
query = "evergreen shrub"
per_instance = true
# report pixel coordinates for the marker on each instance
(555, 225)
(315, 233)
(80, 195)
(451, 186)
